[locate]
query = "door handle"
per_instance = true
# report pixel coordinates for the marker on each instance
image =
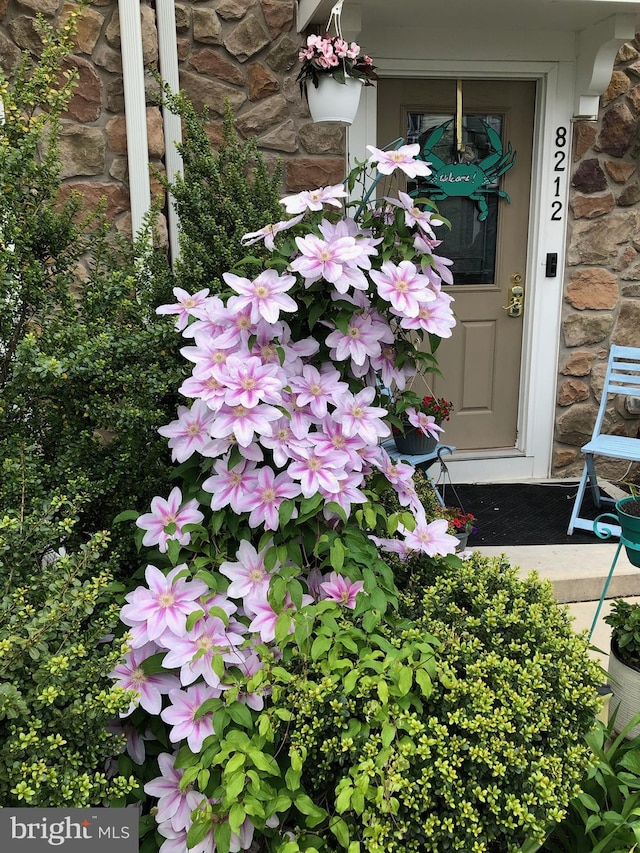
(516, 297)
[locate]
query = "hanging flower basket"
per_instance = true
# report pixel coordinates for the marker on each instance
(334, 102)
(414, 442)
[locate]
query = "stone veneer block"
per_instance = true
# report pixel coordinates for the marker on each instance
(584, 136)
(625, 333)
(304, 173)
(618, 170)
(86, 103)
(596, 289)
(82, 150)
(575, 424)
(630, 195)
(262, 83)
(592, 206)
(262, 117)
(206, 26)
(589, 177)
(212, 64)
(282, 138)
(89, 27)
(279, 15)
(598, 241)
(115, 195)
(322, 138)
(581, 329)
(41, 7)
(618, 85)
(23, 31)
(233, 10)
(572, 391)
(618, 128)
(211, 93)
(283, 56)
(247, 39)
(578, 364)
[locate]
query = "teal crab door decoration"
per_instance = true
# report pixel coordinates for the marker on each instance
(466, 179)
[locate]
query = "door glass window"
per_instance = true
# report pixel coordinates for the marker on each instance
(471, 243)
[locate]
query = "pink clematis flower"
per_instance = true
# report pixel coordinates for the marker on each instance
(190, 433)
(360, 342)
(228, 485)
(317, 388)
(322, 259)
(357, 417)
(130, 675)
(166, 603)
(266, 295)
(248, 576)
(248, 382)
(341, 589)
(436, 317)
(314, 199)
(181, 714)
(175, 804)
(264, 499)
(430, 538)
(193, 651)
(403, 286)
(165, 512)
(318, 473)
(265, 618)
(244, 423)
(269, 232)
(185, 305)
(403, 158)
(424, 219)
(425, 423)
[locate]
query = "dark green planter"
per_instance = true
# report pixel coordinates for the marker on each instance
(414, 442)
(630, 525)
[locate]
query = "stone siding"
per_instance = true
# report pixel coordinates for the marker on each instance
(602, 285)
(242, 50)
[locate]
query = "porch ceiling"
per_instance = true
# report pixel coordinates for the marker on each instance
(557, 15)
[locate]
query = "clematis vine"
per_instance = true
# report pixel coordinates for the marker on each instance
(285, 430)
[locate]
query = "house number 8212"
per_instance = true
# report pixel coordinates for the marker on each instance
(559, 158)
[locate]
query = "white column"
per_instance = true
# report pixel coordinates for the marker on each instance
(168, 56)
(135, 111)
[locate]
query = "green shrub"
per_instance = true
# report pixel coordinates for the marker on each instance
(480, 756)
(56, 699)
(223, 195)
(605, 815)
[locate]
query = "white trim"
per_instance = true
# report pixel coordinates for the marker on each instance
(135, 111)
(168, 60)
(532, 456)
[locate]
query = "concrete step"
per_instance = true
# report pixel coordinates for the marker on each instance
(577, 572)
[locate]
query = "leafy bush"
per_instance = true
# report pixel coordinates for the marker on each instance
(222, 196)
(499, 750)
(56, 699)
(605, 816)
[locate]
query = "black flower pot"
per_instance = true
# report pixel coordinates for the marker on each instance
(414, 442)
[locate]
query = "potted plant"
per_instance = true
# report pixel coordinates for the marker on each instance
(628, 511)
(461, 524)
(422, 425)
(332, 75)
(624, 663)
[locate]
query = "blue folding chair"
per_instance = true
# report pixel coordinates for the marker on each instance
(622, 378)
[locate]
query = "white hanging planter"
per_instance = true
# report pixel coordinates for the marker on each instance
(333, 101)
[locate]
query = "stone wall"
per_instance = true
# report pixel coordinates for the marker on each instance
(602, 291)
(243, 50)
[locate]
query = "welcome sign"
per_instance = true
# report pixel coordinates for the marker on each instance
(37, 830)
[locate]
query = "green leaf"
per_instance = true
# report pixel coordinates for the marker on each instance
(285, 512)
(424, 682)
(241, 714)
(337, 554)
(197, 832)
(292, 778)
(270, 558)
(319, 646)
(343, 800)
(234, 763)
(193, 617)
(383, 691)
(237, 816)
(222, 837)
(405, 680)
(388, 734)
(265, 763)
(341, 831)
(127, 515)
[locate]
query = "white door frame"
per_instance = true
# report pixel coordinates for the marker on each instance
(532, 456)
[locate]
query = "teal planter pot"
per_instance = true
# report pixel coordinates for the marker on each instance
(630, 525)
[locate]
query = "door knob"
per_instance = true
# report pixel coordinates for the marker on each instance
(516, 297)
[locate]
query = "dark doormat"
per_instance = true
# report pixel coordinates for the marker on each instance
(522, 513)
